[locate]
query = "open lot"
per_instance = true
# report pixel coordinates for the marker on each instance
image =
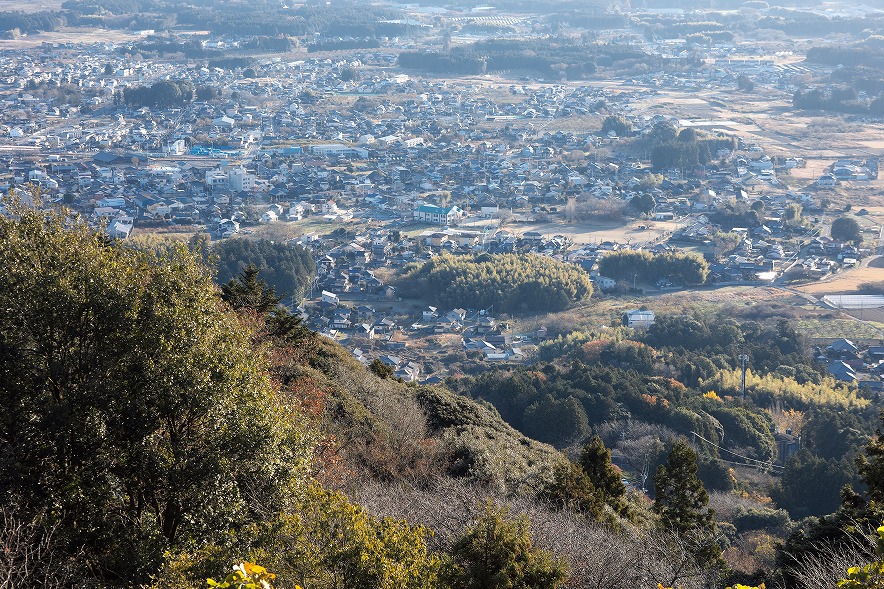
(86, 36)
(30, 5)
(591, 231)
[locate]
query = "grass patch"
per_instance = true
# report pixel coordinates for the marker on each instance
(837, 328)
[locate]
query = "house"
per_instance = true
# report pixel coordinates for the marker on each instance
(391, 361)
(875, 386)
(330, 297)
(364, 330)
(604, 283)
(269, 216)
(438, 215)
(408, 372)
(788, 445)
(532, 236)
(827, 180)
(447, 324)
(842, 347)
(228, 226)
(638, 319)
(120, 228)
(841, 371)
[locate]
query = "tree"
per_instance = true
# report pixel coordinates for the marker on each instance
(793, 213)
(380, 369)
(810, 485)
(618, 125)
(330, 543)
(247, 292)
(643, 202)
(846, 229)
(570, 488)
(287, 269)
(682, 502)
(662, 133)
(745, 83)
(497, 553)
(595, 459)
(137, 416)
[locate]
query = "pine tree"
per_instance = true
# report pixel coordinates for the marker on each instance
(497, 553)
(247, 292)
(683, 504)
(595, 459)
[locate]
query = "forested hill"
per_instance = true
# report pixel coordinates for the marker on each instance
(158, 431)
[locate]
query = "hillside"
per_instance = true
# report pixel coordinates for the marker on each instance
(158, 430)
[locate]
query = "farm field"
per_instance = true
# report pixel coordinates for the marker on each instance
(847, 281)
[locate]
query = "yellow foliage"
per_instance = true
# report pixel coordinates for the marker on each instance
(783, 388)
(712, 395)
(245, 575)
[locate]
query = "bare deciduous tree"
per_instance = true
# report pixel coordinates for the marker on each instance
(29, 555)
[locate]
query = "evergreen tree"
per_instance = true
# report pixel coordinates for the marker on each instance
(572, 489)
(138, 419)
(246, 291)
(595, 459)
(497, 553)
(682, 503)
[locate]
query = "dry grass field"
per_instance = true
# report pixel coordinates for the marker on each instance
(69, 35)
(29, 5)
(847, 281)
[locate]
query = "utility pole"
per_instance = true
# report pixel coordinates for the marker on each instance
(743, 358)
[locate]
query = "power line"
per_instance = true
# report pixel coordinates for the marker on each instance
(758, 463)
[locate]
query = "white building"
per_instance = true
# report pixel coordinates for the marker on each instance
(638, 319)
(239, 179)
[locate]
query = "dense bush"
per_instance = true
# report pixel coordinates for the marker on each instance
(508, 282)
(288, 269)
(629, 264)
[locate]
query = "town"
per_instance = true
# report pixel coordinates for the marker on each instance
(343, 289)
(373, 167)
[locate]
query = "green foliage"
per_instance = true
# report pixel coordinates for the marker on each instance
(643, 202)
(163, 94)
(682, 502)
(688, 269)
(571, 488)
(871, 467)
(810, 485)
(620, 126)
(556, 421)
(698, 346)
(381, 369)
(760, 518)
(482, 447)
(595, 459)
(497, 553)
(747, 429)
(247, 292)
(548, 57)
(745, 83)
(287, 269)
(847, 229)
(330, 543)
(533, 401)
(714, 473)
(509, 282)
(687, 150)
(680, 499)
(136, 412)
